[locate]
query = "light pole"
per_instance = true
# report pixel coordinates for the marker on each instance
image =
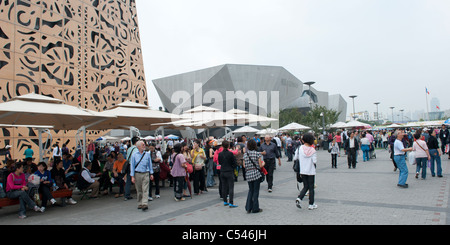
(323, 122)
(309, 88)
(353, 98)
(378, 117)
(392, 108)
(402, 114)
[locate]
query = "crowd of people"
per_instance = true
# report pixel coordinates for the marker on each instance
(201, 163)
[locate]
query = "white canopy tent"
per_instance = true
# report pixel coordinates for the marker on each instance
(357, 124)
(294, 126)
(338, 125)
(267, 131)
(246, 129)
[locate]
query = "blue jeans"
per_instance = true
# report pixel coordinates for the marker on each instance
(365, 149)
(422, 163)
(252, 204)
(210, 174)
(435, 157)
(401, 165)
(24, 198)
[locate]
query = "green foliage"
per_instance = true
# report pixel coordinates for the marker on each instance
(311, 118)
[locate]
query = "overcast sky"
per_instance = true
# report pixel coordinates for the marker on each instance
(384, 51)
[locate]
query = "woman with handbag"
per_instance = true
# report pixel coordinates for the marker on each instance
(422, 154)
(178, 172)
(198, 159)
(253, 162)
(307, 156)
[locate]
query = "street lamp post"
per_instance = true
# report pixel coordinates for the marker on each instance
(309, 88)
(402, 114)
(378, 117)
(353, 98)
(392, 108)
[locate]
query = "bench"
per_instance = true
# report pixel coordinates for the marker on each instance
(61, 193)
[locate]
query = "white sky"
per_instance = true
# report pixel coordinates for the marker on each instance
(384, 51)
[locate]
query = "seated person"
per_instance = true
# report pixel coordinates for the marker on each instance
(105, 179)
(16, 187)
(70, 166)
(32, 167)
(117, 173)
(45, 185)
(86, 181)
(59, 176)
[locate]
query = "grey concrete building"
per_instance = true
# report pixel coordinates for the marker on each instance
(259, 89)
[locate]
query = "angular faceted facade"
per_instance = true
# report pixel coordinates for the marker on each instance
(275, 89)
(85, 52)
(254, 88)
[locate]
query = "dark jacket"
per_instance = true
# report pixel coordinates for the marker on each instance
(227, 161)
(347, 143)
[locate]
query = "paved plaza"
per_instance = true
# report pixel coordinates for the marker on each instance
(367, 195)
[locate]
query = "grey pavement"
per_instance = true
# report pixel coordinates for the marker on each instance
(367, 195)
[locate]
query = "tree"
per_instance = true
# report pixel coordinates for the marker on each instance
(311, 118)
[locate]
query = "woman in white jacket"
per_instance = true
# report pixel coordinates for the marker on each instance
(307, 156)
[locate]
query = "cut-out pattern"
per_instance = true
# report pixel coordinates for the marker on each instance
(86, 52)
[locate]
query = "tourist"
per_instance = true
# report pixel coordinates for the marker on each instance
(365, 147)
(59, 176)
(105, 179)
(435, 153)
(399, 157)
(178, 172)
(443, 135)
(307, 156)
(45, 185)
(57, 152)
(28, 152)
(209, 151)
(253, 163)
(334, 150)
(118, 175)
(198, 160)
(228, 163)
(422, 154)
(86, 181)
(141, 172)
(352, 146)
(16, 187)
(130, 151)
(269, 150)
(156, 160)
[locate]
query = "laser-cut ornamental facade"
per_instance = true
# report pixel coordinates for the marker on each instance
(85, 52)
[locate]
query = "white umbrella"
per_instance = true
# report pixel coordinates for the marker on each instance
(201, 109)
(294, 126)
(357, 124)
(268, 131)
(394, 125)
(246, 129)
(43, 110)
(129, 114)
(149, 138)
(339, 125)
(125, 139)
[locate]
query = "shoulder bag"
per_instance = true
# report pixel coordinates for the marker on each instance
(126, 165)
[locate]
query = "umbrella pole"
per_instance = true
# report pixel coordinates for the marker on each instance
(41, 151)
(83, 149)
